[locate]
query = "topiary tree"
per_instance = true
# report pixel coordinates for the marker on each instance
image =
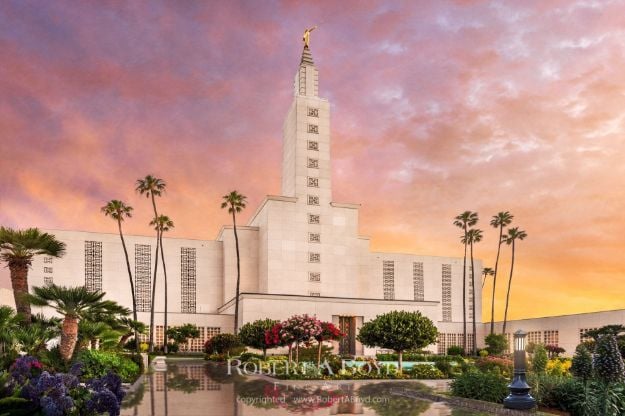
(607, 362)
(399, 331)
(181, 334)
(329, 332)
(252, 334)
(300, 328)
(222, 344)
(497, 344)
(581, 365)
(540, 359)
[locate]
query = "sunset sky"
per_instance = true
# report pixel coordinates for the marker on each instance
(437, 107)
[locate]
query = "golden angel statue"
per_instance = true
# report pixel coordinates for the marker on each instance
(306, 37)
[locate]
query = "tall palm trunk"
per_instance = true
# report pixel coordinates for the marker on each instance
(165, 282)
(236, 301)
(473, 302)
(69, 336)
(132, 285)
(19, 283)
(505, 316)
(152, 328)
(492, 301)
(464, 295)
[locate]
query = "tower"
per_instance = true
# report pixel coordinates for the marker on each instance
(306, 172)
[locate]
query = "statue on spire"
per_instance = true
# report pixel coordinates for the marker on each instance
(306, 37)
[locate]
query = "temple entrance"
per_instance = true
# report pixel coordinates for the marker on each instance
(347, 325)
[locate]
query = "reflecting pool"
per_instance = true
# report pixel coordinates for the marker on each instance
(192, 388)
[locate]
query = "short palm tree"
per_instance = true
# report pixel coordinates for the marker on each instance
(17, 249)
(501, 220)
(473, 236)
(119, 210)
(128, 327)
(90, 331)
(9, 324)
(162, 224)
(151, 187)
(486, 271)
(235, 202)
(73, 304)
(465, 220)
(510, 239)
(32, 339)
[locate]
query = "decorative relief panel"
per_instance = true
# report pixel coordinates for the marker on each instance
(93, 265)
(143, 277)
(388, 279)
(313, 200)
(313, 182)
(314, 276)
(313, 163)
(313, 219)
(314, 237)
(314, 257)
(417, 280)
(313, 128)
(313, 112)
(313, 145)
(446, 295)
(188, 279)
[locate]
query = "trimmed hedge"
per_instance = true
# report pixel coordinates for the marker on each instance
(98, 363)
(489, 387)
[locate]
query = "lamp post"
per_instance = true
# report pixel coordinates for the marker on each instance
(519, 397)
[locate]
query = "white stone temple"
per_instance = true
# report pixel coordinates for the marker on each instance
(301, 252)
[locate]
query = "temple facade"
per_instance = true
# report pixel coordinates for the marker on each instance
(301, 252)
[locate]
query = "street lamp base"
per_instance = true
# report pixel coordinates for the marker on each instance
(519, 402)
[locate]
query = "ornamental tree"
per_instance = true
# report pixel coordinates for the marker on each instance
(329, 332)
(222, 344)
(399, 331)
(300, 328)
(607, 362)
(181, 334)
(252, 334)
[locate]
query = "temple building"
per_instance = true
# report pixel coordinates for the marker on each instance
(301, 252)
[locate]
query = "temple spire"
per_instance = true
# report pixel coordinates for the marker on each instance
(307, 58)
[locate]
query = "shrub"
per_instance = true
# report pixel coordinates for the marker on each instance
(310, 353)
(490, 387)
(497, 344)
(455, 350)
(607, 362)
(97, 363)
(554, 351)
(247, 356)
(252, 334)
(559, 367)
(425, 372)
(222, 344)
(540, 359)
(483, 353)
(495, 365)
(554, 391)
(581, 365)
(399, 331)
(181, 334)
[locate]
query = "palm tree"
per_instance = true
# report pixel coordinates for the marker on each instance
(128, 327)
(486, 271)
(118, 210)
(152, 187)
(9, 323)
(235, 202)
(473, 236)
(33, 338)
(501, 220)
(17, 249)
(74, 304)
(510, 239)
(465, 220)
(163, 223)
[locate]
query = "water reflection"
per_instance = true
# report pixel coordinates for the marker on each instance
(199, 388)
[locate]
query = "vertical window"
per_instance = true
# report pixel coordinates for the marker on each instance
(552, 337)
(582, 334)
(446, 289)
(417, 280)
(143, 277)
(535, 337)
(388, 279)
(93, 265)
(187, 279)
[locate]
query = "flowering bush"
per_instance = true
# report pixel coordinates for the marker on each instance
(497, 365)
(559, 367)
(40, 392)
